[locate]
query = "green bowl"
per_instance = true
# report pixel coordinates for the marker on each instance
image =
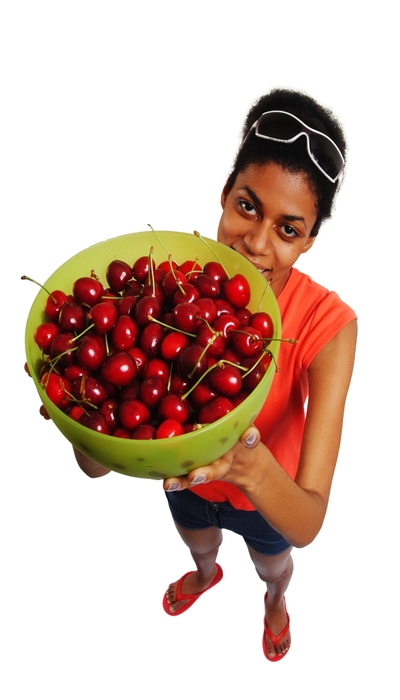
(155, 459)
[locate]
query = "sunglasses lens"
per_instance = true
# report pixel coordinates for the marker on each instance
(278, 126)
(326, 155)
(286, 127)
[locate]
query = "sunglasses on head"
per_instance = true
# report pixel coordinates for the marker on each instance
(286, 128)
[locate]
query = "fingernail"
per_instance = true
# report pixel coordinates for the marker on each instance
(199, 479)
(175, 486)
(250, 440)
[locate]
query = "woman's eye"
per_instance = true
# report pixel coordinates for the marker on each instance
(247, 207)
(289, 231)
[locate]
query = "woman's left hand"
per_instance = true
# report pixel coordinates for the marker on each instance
(222, 469)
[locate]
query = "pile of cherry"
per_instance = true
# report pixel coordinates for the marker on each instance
(157, 352)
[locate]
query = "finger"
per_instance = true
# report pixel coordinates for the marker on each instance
(193, 479)
(44, 413)
(251, 437)
(175, 484)
(26, 368)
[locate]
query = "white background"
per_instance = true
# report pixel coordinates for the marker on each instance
(116, 115)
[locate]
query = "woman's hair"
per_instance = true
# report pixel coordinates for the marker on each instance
(291, 156)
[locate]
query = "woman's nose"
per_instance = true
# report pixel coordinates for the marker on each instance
(258, 240)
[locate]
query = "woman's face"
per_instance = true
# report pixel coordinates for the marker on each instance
(268, 216)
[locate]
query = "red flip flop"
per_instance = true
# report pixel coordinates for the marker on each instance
(189, 597)
(275, 639)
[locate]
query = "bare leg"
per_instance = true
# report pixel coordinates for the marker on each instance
(203, 545)
(276, 571)
(90, 467)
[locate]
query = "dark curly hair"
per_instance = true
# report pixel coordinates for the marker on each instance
(294, 156)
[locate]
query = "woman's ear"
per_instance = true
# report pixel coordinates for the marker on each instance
(224, 194)
(309, 244)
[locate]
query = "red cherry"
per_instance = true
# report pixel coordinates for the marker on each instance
(125, 333)
(90, 390)
(139, 359)
(126, 305)
(109, 410)
(247, 341)
(213, 341)
(251, 380)
(91, 352)
(225, 324)
(172, 345)
(192, 361)
(64, 345)
(122, 433)
(145, 308)
(144, 432)
(171, 281)
(185, 316)
(236, 291)
(141, 269)
(155, 367)
(152, 391)
(57, 389)
(215, 409)
(87, 290)
(263, 322)
(71, 318)
(45, 334)
(169, 428)
(133, 413)
(190, 266)
(76, 412)
(202, 394)
(186, 293)
(173, 406)
(95, 421)
(151, 338)
(215, 270)
(54, 304)
(225, 379)
(104, 315)
(207, 309)
(118, 274)
(207, 286)
(119, 369)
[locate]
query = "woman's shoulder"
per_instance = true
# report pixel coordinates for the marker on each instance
(302, 292)
(311, 313)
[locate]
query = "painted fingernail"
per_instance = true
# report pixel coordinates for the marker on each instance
(250, 440)
(199, 479)
(175, 486)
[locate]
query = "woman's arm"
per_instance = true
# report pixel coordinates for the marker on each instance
(297, 508)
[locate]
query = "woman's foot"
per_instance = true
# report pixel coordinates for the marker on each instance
(277, 622)
(192, 584)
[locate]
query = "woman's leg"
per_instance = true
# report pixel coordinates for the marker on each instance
(203, 545)
(276, 571)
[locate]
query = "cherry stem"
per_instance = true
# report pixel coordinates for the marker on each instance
(72, 340)
(196, 233)
(178, 282)
(196, 260)
(221, 363)
(267, 286)
(151, 271)
(292, 341)
(171, 328)
(161, 243)
(24, 277)
(53, 361)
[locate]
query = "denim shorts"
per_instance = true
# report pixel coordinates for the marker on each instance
(194, 513)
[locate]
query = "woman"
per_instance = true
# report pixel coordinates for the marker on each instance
(273, 487)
